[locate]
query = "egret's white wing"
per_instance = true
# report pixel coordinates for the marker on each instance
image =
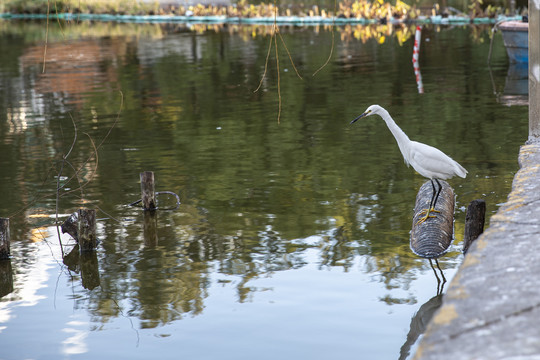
(433, 163)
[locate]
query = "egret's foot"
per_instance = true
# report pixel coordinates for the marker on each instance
(424, 211)
(427, 215)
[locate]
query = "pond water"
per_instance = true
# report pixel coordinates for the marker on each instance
(292, 237)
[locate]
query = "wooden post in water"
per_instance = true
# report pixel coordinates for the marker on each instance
(148, 194)
(431, 238)
(87, 230)
(474, 222)
(71, 226)
(534, 70)
(4, 238)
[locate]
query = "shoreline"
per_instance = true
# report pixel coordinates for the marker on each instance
(241, 11)
(490, 308)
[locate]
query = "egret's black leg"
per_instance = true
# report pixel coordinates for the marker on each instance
(438, 192)
(432, 203)
(433, 195)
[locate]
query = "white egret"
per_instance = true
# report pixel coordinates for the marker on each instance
(428, 161)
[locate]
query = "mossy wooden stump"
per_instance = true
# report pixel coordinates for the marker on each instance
(431, 238)
(148, 193)
(87, 230)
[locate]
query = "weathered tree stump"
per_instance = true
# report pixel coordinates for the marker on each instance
(71, 226)
(4, 239)
(474, 222)
(432, 238)
(148, 194)
(87, 230)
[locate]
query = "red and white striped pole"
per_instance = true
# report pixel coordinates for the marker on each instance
(416, 65)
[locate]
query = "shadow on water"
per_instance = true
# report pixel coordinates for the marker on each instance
(6, 278)
(85, 264)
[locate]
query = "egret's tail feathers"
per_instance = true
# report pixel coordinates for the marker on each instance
(460, 171)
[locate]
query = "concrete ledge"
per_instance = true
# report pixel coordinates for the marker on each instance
(492, 307)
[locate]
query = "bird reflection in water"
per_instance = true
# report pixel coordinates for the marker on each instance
(440, 284)
(419, 323)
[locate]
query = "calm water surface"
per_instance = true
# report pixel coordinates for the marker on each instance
(292, 239)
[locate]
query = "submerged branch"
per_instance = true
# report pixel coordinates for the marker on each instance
(265, 63)
(332, 48)
(273, 38)
(290, 57)
(46, 37)
(64, 161)
(278, 80)
(95, 148)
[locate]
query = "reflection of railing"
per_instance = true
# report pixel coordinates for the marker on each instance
(416, 65)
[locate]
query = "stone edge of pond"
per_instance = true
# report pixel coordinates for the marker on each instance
(285, 20)
(491, 308)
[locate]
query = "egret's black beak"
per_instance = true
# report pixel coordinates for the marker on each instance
(361, 116)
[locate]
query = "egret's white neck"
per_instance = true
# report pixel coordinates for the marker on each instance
(399, 135)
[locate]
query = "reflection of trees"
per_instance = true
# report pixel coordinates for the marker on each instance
(162, 283)
(168, 287)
